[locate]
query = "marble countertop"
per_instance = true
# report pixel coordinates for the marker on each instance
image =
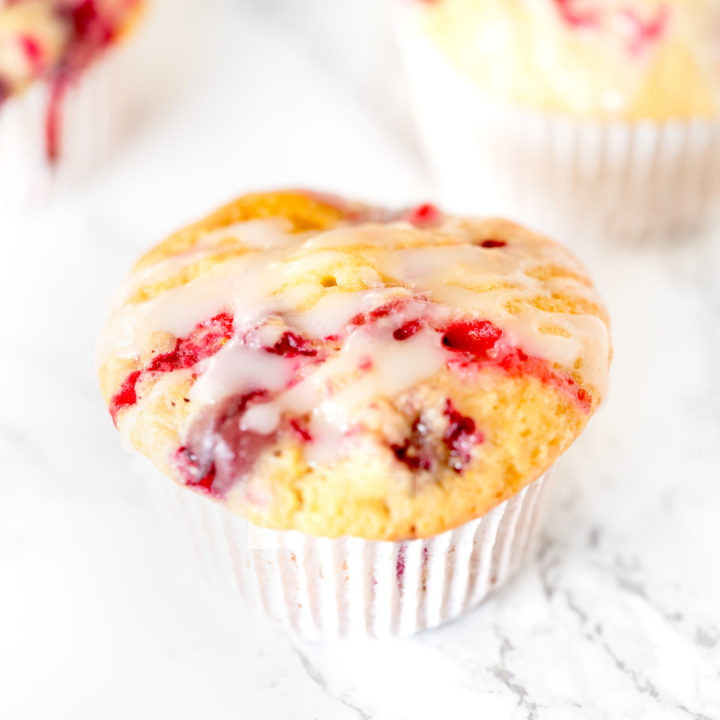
(616, 616)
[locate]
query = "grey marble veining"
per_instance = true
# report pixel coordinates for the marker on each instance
(617, 615)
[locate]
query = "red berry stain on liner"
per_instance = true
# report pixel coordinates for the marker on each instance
(205, 340)
(400, 562)
(299, 427)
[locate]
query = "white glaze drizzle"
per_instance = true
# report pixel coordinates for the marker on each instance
(280, 273)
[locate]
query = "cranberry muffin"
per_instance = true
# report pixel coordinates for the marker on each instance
(339, 369)
(65, 92)
(635, 59)
(559, 112)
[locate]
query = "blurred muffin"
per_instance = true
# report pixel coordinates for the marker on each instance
(656, 59)
(567, 107)
(342, 370)
(56, 90)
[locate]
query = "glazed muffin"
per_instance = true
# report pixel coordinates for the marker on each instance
(340, 369)
(633, 59)
(54, 83)
(585, 119)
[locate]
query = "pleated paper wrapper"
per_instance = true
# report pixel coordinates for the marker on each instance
(354, 588)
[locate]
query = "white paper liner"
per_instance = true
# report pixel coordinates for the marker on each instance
(91, 118)
(568, 177)
(350, 587)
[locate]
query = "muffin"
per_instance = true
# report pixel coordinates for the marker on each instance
(562, 111)
(354, 386)
(56, 86)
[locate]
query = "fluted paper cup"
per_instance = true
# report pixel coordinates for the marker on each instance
(349, 587)
(568, 177)
(90, 120)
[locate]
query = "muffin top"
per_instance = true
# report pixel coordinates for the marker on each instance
(55, 39)
(342, 369)
(631, 59)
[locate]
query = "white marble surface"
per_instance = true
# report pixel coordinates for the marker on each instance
(617, 616)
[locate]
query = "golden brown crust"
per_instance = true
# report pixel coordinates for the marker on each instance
(304, 213)
(439, 451)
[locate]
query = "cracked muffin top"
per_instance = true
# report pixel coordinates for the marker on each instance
(341, 369)
(629, 59)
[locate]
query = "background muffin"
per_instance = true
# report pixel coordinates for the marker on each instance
(612, 105)
(58, 93)
(344, 370)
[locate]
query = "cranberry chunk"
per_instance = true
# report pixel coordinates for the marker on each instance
(126, 396)
(291, 345)
(218, 452)
(474, 337)
(407, 330)
(415, 452)
(459, 437)
(205, 340)
(300, 428)
(575, 15)
(429, 448)
(423, 215)
(492, 243)
(187, 464)
(646, 32)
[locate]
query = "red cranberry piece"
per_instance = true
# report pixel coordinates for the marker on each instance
(407, 330)
(218, 453)
(576, 16)
(645, 32)
(493, 243)
(188, 465)
(424, 215)
(206, 339)
(584, 398)
(459, 437)
(291, 345)
(125, 397)
(366, 363)
(375, 314)
(475, 337)
(89, 24)
(33, 52)
(400, 562)
(299, 427)
(516, 362)
(415, 452)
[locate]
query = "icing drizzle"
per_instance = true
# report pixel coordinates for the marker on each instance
(305, 331)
